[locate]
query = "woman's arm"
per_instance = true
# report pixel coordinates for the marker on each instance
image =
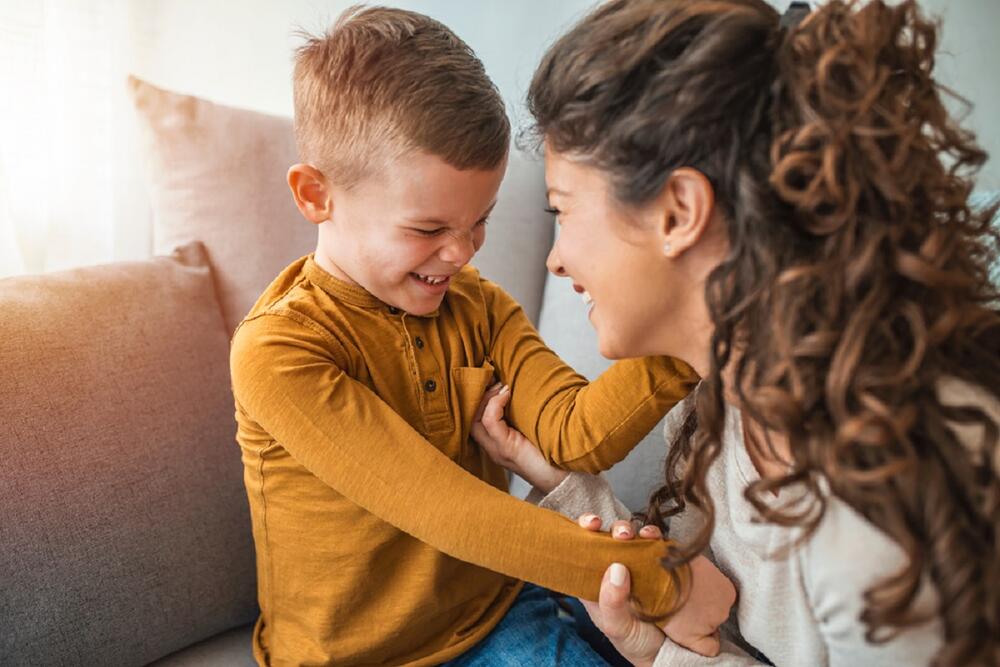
(641, 643)
(845, 557)
(582, 495)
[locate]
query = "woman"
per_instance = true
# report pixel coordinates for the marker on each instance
(784, 208)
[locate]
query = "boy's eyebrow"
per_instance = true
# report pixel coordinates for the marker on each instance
(435, 221)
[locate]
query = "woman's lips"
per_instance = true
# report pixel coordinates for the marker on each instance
(587, 299)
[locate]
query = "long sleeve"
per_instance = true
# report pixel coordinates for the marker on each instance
(286, 375)
(578, 425)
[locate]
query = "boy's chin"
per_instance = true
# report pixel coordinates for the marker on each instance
(418, 306)
(423, 308)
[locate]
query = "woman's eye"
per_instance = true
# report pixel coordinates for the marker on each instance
(483, 222)
(430, 232)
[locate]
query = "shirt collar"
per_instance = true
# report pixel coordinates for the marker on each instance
(352, 294)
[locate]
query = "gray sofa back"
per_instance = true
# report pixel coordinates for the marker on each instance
(125, 533)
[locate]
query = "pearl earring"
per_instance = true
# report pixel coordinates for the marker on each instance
(667, 248)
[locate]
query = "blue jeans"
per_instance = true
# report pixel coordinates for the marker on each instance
(542, 629)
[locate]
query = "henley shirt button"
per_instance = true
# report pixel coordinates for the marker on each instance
(393, 310)
(419, 342)
(430, 385)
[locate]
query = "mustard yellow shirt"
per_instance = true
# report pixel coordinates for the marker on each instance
(384, 535)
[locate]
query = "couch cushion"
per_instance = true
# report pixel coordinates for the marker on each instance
(233, 648)
(125, 532)
(217, 174)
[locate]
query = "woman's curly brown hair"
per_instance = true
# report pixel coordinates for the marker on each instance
(856, 278)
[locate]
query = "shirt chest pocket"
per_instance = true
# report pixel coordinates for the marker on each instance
(468, 385)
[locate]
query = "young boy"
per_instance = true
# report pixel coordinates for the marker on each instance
(383, 534)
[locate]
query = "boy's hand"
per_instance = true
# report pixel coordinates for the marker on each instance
(507, 446)
(695, 626)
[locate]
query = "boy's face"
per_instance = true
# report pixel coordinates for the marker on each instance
(403, 233)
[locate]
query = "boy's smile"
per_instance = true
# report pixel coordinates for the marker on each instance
(402, 234)
(433, 284)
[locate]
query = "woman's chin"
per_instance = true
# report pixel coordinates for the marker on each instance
(614, 345)
(608, 348)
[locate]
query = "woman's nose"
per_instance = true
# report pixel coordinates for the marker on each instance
(554, 263)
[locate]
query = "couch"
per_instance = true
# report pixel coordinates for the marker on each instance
(125, 534)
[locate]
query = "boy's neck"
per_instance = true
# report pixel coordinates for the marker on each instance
(327, 264)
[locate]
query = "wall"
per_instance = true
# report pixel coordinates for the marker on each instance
(243, 57)
(202, 47)
(969, 63)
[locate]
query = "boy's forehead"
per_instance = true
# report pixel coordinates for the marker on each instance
(426, 188)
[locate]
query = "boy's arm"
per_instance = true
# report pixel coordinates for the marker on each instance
(285, 378)
(577, 425)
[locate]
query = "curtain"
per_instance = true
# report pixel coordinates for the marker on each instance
(70, 189)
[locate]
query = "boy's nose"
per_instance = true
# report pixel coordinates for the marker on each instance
(458, 250)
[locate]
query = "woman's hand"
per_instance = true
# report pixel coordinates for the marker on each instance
(638, 641)
(695, 626)
(507, 446)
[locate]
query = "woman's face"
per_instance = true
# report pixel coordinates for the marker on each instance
(644, 299)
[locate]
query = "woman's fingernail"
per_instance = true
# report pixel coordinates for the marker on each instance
(505, 389)
(622, 531)
(618, 573)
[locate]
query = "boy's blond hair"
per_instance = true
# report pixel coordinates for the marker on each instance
(382, 82)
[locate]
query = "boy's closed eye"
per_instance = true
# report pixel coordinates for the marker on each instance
(441, 230)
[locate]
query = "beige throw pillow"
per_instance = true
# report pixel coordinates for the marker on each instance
(217, 175)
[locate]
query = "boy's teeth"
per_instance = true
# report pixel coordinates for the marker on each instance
(431, 281)
(587, 299)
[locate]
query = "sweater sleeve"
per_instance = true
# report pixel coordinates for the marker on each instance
(286, 376)
(581, 493)
(845, 557)
(730, 655)
(578, 425)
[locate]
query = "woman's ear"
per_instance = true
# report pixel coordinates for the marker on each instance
(687, 205)
(311, 192)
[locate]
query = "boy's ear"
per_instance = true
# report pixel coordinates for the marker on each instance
(311, 192)
(688, 205)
